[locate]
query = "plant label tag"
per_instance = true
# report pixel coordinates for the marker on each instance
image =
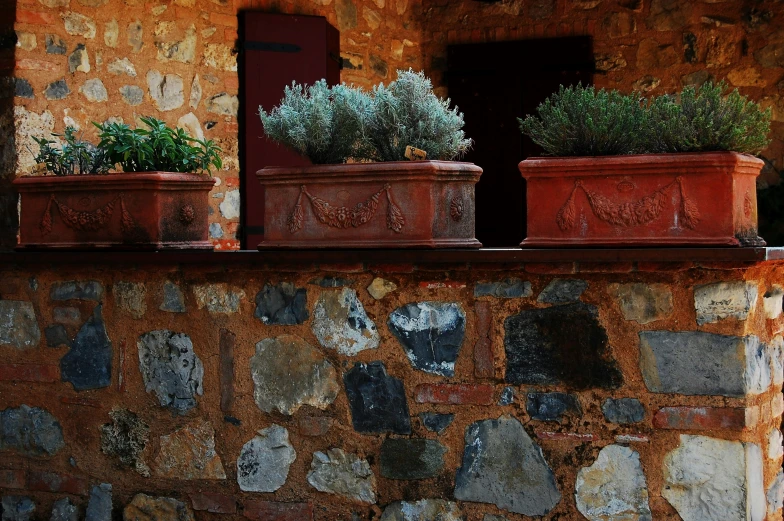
(415, 154)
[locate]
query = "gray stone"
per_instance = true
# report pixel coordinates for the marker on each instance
(727, 472)
(16, 508)
(282, 304)
(132, 95)
(165, 90)
(171, 369)
(18, 324)
(230, 207)
(136, 36)
(696, 79)
(189, 453)
(698, 363)
(643, 303)
(404, 458)
(173, 299)
(431, 334)
(562, 291)
(344, 474)
(264, 461)
(508, 288)
(340, 323)
(776, 355)
(379, 66)
(94, 91)
(131, 297)
(56, 336)
(435, 422)
(77, 290)
(623, 411)
(216, 231)
(218, 298)
(30, 431)
(775, 495)
(125, 438)
(377, 400)
(79, 60)
(503, 466)
(720, 300)
(552, 406)
(380, 288)
(614, 487)
(223, 103)
(88, 364)
(148, 508)
(67, 315)
(64, 510)
(332, 282)
(99, 507)
(121, 66)
(79, 24)
(422, 510)
(23, 89)
(507, 396)
(57, 90)
(288, 373)
(55, 45)
(771, 55)
(668, 15)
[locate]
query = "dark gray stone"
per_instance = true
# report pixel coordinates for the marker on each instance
(56, 336)
(332, 282)
(171, 369)
(562, 291)
(67, 315)
(623, 410)
(431, 333)
(18, 324)
(99, 507)
(55, 44)
(503, 466)
(507, 396)
(377, 400)
(57, 90)
(64, 510)
(559, 345)
(552, 406)
(173, 299)
(77, 60)
(697, 363)
(125, 438)
(435, 422)
(403, 458)
(509, 288)
(23, 89)
(30, 431)
(16, 508)
(77, 290)
(88, 364)
(282, 304)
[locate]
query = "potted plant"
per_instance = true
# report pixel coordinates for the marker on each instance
(158, 201)
(362, 192)
(633, 172)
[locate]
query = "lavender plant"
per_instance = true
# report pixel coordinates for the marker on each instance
(73, 157)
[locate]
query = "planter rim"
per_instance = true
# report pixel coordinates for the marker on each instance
(399, 170)
(126, 180)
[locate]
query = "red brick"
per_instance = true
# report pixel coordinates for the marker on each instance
(314, 425)
(664, 266)
(565, 436)
(231, 182)
(455, 394)
(34, 17)
(276, 511)
(484, 359)
(227, 342)
(224, 19)
(227, 244)
(29, 373)
(391, 268)
(215, 503)
(12, 478)
(447, 284)
(550, 268)
(84, 402)
(343, 268)
(55, 482)
(27, 64)
(230, 35)
(706, 418)
(605, 267)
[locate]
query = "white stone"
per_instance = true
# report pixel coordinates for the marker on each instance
(427, 510)
(219, 56)
(344, 474)
(775, 494)
(230, 207)
(218, 298)
(26, 41)
(223, 104)
(340, 323)
(183, 50)
(94, 91)
(166, 91)
(122, 66)
(614, 487)
(264, 461)
(380, 288)
(773, 301)
(28, 125)
(775, 444)
(190, 124)
(79, 24)
(111, 33)
(708, 479)
(720, 300)
(195, 96)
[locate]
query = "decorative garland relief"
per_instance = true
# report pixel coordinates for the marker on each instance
(87, 220)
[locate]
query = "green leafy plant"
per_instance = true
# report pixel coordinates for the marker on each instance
(581, 121)
(320, 122)
(157, 148)
(407, 112)
(74, 157)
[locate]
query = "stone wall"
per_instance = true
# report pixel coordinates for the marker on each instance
(350, 392)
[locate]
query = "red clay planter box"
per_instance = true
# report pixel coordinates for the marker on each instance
(133, 211)
(704, 198)
(406, 204)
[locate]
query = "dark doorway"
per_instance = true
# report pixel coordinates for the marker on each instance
(276, 50)
(493, 84)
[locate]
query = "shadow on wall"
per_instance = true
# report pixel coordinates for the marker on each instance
(8, 200)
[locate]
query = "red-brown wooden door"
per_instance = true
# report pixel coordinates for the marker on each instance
(276, 50)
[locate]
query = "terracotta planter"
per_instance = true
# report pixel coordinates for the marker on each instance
(411, 204)
(134, 211)
(706, 198)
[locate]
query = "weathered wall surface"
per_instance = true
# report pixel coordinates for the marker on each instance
(335, 392)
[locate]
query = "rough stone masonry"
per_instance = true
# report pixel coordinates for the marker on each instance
(577, 391)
